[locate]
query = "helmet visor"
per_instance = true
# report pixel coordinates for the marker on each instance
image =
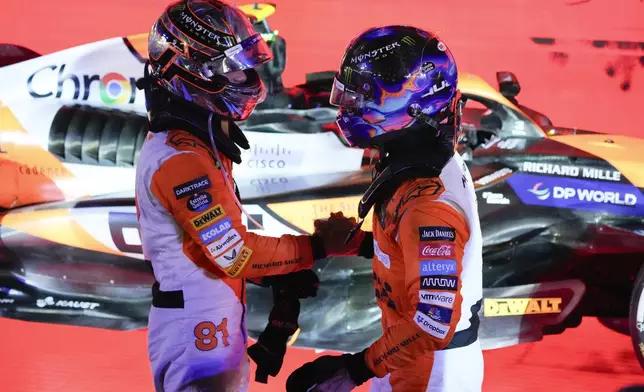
(344, 97)
(249, 53)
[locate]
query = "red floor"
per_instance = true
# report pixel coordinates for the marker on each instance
(42, 357)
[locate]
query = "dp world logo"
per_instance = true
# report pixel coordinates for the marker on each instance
(541, 194)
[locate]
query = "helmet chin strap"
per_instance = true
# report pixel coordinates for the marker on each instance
(227, 178)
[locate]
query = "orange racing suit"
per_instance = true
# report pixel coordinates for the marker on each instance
(427, 272)
(193, 236)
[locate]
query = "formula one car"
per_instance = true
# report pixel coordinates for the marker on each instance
(561, 209)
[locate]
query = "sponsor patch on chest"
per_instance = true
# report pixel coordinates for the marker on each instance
(199, 201)
(439, 282)
(431, 249)
(437, 233)
(227, 258)
(439, 298)
(436, 313)
(430, 326)
(241, 261)
(209, 217)
(437, 267)
(188, 188)
(382, 256)
(215, 232)
(230, 238)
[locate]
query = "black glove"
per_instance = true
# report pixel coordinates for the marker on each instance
(296, 285)
(366, 246)
(330, 373)
(268, 353)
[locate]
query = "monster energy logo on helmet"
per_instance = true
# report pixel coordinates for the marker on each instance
(190, 25)
(408, 40)
(376, 53)
(348, 72)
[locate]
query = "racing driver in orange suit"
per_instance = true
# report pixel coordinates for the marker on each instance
(397, 92)
(199, 79)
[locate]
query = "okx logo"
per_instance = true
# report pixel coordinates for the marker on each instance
(53, 80)
(602, 196)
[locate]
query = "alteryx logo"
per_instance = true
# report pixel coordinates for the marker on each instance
(54, 81)
(541, 194)
(601, 196)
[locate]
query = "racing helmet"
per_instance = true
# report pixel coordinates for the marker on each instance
(205, 52)
(392, 79)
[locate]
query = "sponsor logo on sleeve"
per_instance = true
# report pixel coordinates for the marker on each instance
(382, 256)
(199, 201)
(437, 298)
(436, 313)
(226, 258)
(439, 282)
(437, 233)
(562, 192)
(436, 250)
(437, 267)
(188, 188)
(229, 238)
(209, 217)
(430, 326)
(215, 232)
(240, 262)
(520, 306)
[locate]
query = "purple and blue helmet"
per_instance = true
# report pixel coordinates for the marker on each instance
(390, 79)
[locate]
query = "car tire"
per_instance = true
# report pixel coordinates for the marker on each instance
(636, 316)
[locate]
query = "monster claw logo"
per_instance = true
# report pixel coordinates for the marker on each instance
(348, 71)
(542, 194)
(408, 40)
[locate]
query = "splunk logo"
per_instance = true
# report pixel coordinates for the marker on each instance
(52, 80)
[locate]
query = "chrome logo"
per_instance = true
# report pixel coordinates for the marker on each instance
(115, 88)
(55, 82)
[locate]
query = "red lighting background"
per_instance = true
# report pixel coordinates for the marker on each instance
(561, 50)
(581, 62)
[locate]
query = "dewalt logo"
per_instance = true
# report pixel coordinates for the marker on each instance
(209, 217)
(408, 40)
(240, 262)
(519, 306)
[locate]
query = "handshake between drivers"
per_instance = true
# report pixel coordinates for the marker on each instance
(342, 236)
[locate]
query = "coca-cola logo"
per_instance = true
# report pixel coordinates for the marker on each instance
(436, 250)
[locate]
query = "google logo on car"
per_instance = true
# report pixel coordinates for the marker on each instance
(56, 82)
(115, 88)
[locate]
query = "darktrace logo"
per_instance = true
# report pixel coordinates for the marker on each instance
(52, 80)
